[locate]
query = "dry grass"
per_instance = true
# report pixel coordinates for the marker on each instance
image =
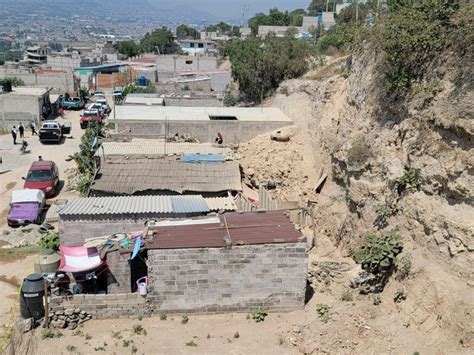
(323, 73)
(14, 254)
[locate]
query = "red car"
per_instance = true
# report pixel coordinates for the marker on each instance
(43, 175)
(88, 116)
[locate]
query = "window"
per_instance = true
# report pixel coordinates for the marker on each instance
(201, 45)
(191, 45)
(188, 61)
(222, 118)
(38, 175)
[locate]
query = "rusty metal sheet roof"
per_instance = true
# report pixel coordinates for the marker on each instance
(242, 228)
(120, 175)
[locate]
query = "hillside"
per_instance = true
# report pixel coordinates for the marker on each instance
(394, 162)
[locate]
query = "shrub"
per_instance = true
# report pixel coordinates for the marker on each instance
(138, 329)
(163, 316)
(230, 100)
(236, 335)
(191, 343)
(186, 88)
(323, 312)
(384, 212)
(49, 334)
(347, 296)
(259, 316)
(404, 266)
(117, 335)
(399, 296)
(378, 252)
(377, 300)
(50, 240)
(407, 181)
(411, 36)
(71, 348)
(185, 319)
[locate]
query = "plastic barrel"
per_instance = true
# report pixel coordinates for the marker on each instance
(31, 297)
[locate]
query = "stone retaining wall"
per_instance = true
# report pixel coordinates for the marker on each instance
(129, 305)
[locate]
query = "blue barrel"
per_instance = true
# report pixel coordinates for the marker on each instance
(142, 81)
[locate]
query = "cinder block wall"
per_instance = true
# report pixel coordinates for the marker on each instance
(234, 132)
(76, 231)
(271, 276)
(118, 276)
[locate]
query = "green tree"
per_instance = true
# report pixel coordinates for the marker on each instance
(260, 65)
(349, 14)
(160, 40)
(320, 6)
(183, 31)
(296, 17)
(128, 48)
(274, 18)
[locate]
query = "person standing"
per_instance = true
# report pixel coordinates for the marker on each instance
(33, 128)
(14, 134)
(21, 129)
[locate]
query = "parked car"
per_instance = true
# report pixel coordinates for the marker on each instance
(99, 92)
(104, 104)
(98, 107)
(52, 131)
(43, 175)
(117, 93)
(88, 116)
(26, 207)
(73, 103)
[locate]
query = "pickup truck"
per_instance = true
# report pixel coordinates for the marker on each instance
(73, 103)
(88, 116)
(52, 131)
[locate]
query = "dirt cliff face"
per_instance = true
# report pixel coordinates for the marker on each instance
(413, 156)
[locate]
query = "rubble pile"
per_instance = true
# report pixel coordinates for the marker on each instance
(21, 237)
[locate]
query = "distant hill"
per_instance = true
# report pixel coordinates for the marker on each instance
(124, 10)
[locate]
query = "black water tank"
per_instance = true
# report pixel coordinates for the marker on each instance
(7, 86)
(31, 297)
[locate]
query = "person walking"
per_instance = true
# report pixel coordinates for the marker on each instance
(14, 134)
(33, 128)
(21, 129)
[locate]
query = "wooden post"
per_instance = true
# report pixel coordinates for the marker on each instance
(46, 305)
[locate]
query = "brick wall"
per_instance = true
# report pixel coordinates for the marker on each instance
(271, 276)
(129, 305)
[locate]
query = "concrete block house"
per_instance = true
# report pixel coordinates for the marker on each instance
(230, 263)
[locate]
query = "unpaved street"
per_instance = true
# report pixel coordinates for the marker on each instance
(15, 165)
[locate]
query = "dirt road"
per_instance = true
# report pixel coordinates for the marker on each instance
(16, 164)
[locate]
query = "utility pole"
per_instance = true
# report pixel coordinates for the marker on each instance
(357, 11)
(327, 5)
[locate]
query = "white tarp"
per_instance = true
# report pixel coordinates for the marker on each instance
(27, 195)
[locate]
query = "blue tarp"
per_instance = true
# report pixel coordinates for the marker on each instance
(202, 158)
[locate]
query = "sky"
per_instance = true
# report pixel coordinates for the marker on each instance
(233, 8)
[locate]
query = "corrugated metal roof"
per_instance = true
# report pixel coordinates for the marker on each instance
(221, 204)
(188, 204)
(238, 228)
(119, 205)
(160, 147)
(123, 176)
(144, 204)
